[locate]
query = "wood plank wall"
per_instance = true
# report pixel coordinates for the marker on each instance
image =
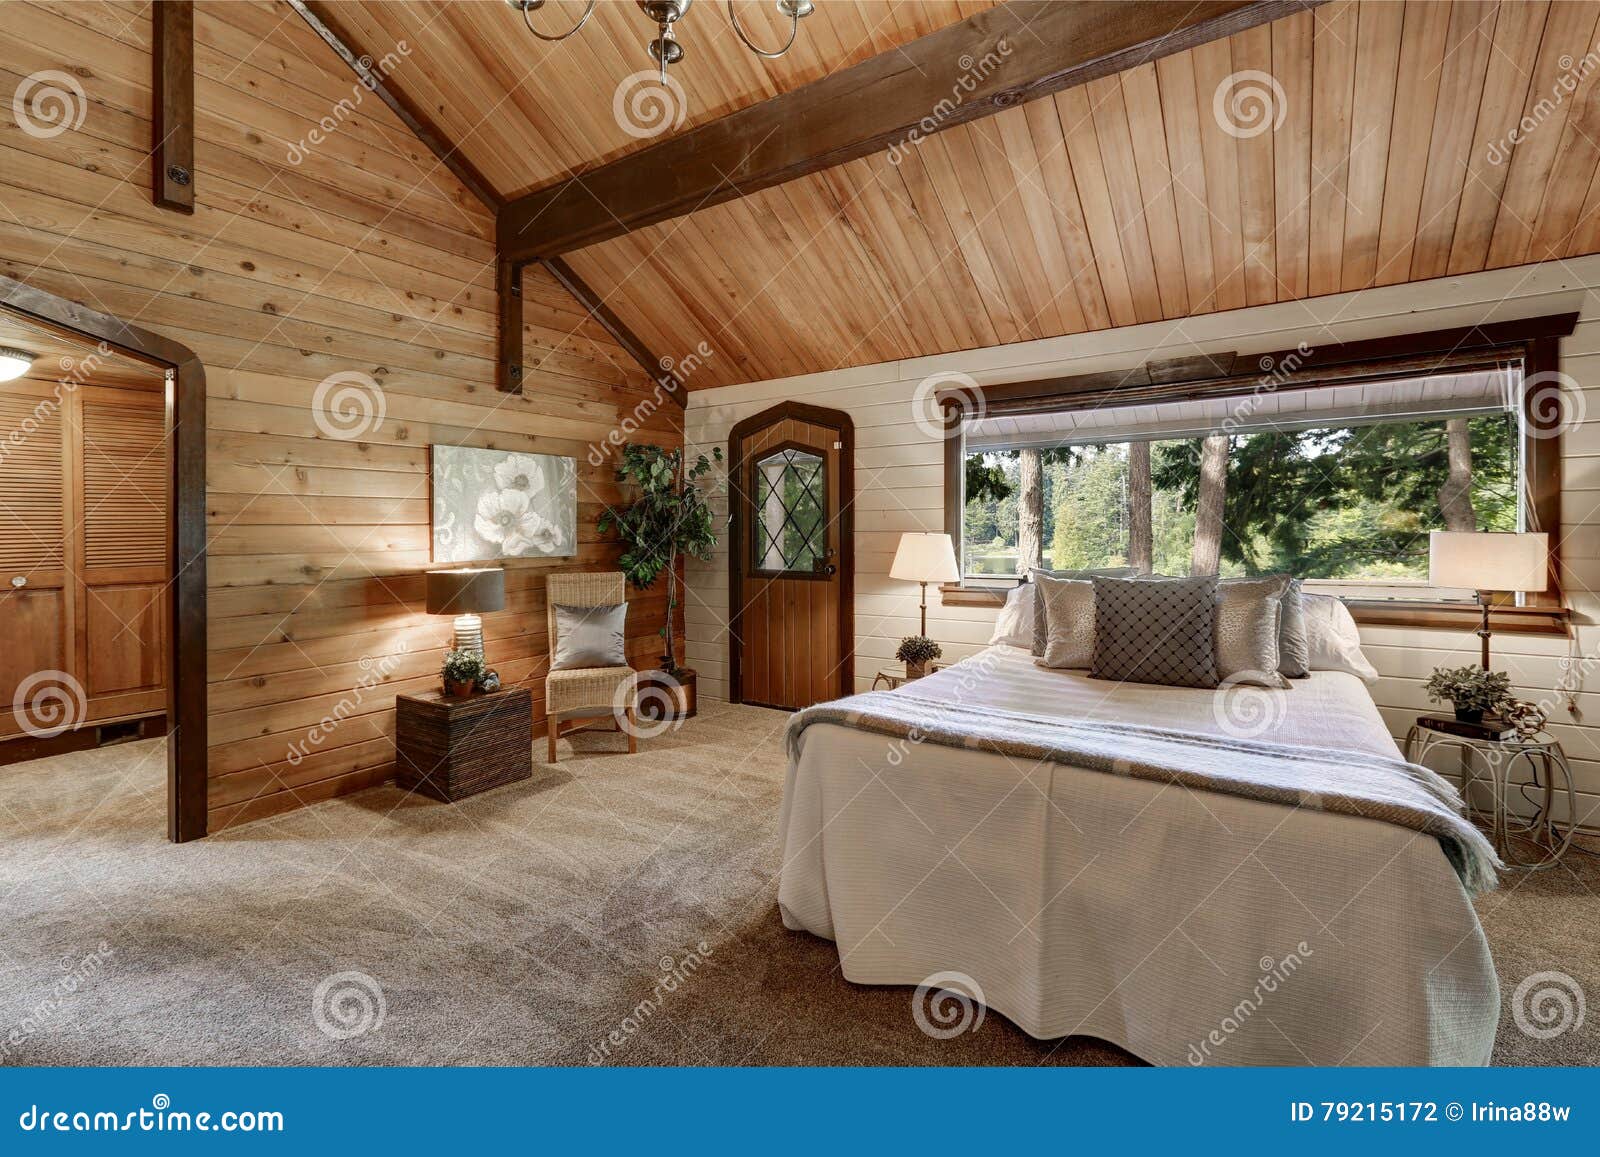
(312, 252)
(900, 486)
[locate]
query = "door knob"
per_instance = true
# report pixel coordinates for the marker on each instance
(20, 581)
(830, 569)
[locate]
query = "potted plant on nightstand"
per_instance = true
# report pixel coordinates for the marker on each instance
(670, 516)
(1472, 691)
(916, 652)
(462, 671)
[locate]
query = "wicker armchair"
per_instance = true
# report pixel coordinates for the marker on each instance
(582, 695)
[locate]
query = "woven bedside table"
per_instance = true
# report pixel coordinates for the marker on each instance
(451, 748)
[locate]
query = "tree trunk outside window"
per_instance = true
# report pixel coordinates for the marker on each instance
(1207, 554)
(1455, 496)
(1140, 541)
(1030, 513)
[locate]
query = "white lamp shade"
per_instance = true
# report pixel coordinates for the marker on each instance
(925, 558)
(1484, 561)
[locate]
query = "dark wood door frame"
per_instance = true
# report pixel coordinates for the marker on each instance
(186, 419)
(739, 540)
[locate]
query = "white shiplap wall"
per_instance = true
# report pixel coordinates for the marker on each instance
(899, 475)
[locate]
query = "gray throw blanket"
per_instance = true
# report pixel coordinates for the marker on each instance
(1322, 779)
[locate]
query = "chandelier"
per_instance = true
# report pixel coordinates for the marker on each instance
(665, 49)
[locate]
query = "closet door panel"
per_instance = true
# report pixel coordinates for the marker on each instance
(126, 643)
(35, 608)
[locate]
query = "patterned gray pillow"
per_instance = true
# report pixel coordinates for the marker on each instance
(1069, 611)
(1161, 632)
(1039, 628)
(590, 637)
(1294, 646)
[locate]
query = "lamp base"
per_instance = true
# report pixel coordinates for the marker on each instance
(469, 634)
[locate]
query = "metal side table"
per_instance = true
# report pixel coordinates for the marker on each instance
(1546, 763)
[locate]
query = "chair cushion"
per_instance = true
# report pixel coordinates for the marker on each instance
(590, 637)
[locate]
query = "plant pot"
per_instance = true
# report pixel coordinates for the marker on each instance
(458, 689)
(916, 670)
(1465, 716)
(666, 697)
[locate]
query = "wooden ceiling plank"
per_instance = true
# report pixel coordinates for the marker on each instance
(1181, 126)
(1333, 77)
(1094, 197)
(1291, 153)
(1568, 32)
(1141, 94)
(1213, 64)
(1252, 54)
(1007, 222)
(936, 164)
(943, 253)
(1037, 199)
(1518, 32)
(1055, 173)
(1461, 84)
(1572, 170)
(1110, 114)
(1378, 33)
(1047, 47)
(1421, 67)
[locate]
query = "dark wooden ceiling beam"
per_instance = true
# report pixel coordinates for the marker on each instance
(172, 181)
(1015, 52)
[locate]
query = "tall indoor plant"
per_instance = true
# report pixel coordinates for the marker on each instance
(670, 515)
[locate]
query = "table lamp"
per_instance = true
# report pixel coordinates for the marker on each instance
(1486, 561)
(925, 558)
(466, 593)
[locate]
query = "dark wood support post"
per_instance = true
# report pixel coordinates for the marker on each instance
(508, 297)
(172, 180)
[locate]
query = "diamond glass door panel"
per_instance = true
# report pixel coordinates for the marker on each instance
(792, 574)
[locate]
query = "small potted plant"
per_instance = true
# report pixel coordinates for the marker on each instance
(916, 652)
(1472, 691)
(462, 670)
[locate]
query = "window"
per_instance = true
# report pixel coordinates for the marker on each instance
(1340, 485)
(791, 499)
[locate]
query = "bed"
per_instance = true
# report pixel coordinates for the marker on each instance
(1189, 927)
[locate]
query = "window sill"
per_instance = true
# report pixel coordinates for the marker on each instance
(1460, 617)
(1369, 612)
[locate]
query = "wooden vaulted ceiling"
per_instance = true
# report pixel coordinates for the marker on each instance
(526, 113)
(1140, 196)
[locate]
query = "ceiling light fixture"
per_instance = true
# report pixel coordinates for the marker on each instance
(14, 363)
(665, 49)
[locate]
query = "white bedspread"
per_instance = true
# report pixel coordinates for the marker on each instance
(1188, 927)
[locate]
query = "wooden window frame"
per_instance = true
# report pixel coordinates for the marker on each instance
(1534, 342)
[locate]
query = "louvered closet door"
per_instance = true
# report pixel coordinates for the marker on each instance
(123, 452)
(36, 604)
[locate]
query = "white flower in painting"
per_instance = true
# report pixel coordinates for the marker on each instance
(506, 517)
(519, 472)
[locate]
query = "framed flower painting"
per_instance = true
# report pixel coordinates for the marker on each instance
(490, 504)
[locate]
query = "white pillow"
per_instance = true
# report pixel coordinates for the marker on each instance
(1332, 638)
(1014, 626)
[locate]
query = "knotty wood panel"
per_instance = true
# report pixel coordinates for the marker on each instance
(1366, 142)
(352, 254)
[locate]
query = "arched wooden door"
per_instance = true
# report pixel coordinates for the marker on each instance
(791, 557)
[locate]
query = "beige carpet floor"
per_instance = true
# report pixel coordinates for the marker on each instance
(523, 926)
